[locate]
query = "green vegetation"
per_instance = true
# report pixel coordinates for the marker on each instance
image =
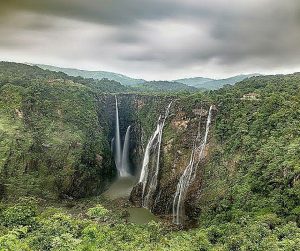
(52, 144)
(254, 169)
(25, 75)
(98, 75)
(26, 226)
(163, 87)
(213, 84)
(54, 147)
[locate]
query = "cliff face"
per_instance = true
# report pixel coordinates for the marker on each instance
(179, 134)
(56, 140)
(52, 144)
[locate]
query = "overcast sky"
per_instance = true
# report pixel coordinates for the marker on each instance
(154, 39)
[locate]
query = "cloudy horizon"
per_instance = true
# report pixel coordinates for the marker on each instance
(154, 39)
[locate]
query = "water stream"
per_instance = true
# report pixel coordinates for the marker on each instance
(121, 188)
(121, 156)
(189, 174)
(150, 169)
(125, 154)
(117, 141)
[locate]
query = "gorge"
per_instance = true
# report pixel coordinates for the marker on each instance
(215, 164)
(147, 147)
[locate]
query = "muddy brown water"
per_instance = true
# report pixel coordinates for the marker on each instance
(121, 188)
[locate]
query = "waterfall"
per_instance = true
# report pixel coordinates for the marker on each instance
(112, 145)
(189, 174)
(117, 139)
(149, 173)
(121, 158)
(125, 154)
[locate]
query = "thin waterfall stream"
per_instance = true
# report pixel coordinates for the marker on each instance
(121, 155)
(151, 164)
(189, 174)
(150, 170)
(124, 183)
(117, 142)
(125, 153)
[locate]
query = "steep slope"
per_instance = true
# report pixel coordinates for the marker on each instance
(124, 80)
(53, 140)
(254, 170)
(251, 164)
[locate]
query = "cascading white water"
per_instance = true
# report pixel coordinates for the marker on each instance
(117, 140)
(145, 169)
(189, 174)
(125, 155)
(149, 175)
(121, 157)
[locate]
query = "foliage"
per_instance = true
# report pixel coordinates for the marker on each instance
(254, 169)
(164, 86)
(50, 135)
(58, 230)
(97, 212)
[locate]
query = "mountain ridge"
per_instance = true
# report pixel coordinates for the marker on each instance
(213, 84)
(122, 79)
(198, 82)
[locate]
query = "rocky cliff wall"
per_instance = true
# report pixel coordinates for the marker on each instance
(181, 127)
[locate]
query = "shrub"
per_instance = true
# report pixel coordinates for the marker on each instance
(97, 212)
(18, 215)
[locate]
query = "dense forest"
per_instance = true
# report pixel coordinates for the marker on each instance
(55, 162)
(164, 86)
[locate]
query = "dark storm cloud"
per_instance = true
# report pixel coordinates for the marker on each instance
(154, 38)
(115, 12)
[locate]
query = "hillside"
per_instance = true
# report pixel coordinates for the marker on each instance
(24, 75)
(98, 75)
(198, 82)
(49, 134)
(213, 84)
(164, 86)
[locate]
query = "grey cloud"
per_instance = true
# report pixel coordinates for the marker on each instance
(145, 36)
(116, 12)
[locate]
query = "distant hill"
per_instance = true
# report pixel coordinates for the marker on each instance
(164, 86)
(197, 81)
(214, 84)
(124, 80)
(24, 75)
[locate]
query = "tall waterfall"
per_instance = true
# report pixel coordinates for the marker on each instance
(121, 158)
(189, 174)
(150, 169)
(117, 140)
(125, 154)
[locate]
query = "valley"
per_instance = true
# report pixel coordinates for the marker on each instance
(89, 164)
